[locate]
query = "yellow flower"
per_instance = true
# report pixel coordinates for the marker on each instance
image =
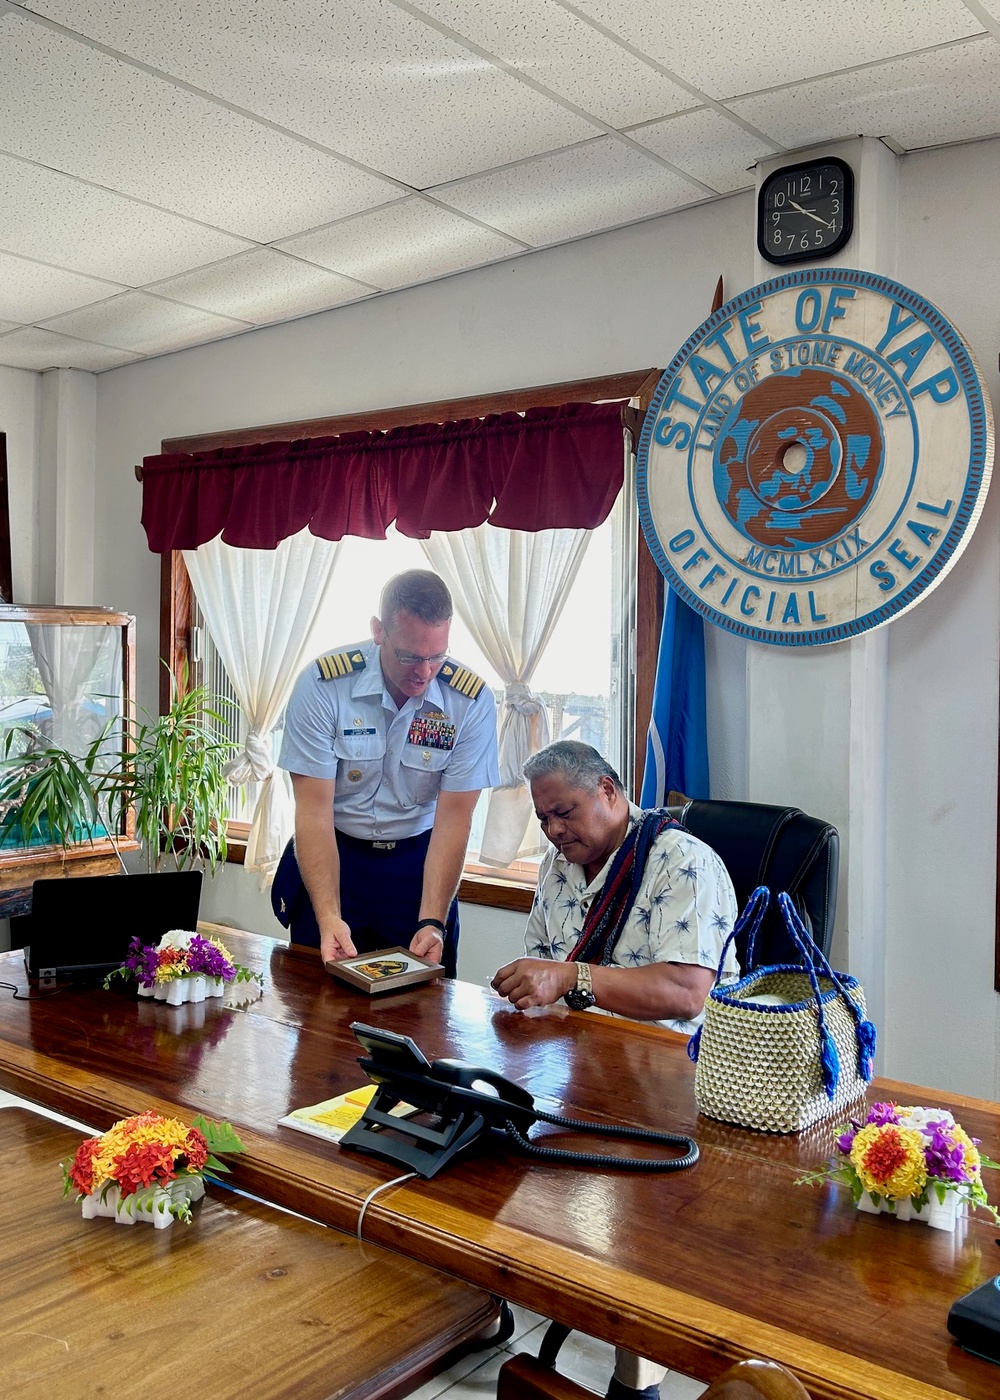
(144, 1128)
(889, 1160)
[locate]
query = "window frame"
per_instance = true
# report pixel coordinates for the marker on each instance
(177, 595)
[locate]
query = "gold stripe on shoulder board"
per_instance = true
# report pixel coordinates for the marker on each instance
(463, 680)
(340, 663)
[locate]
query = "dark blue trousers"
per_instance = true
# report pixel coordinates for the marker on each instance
(379, 896)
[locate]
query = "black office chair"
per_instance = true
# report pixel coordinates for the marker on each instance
(779, 847)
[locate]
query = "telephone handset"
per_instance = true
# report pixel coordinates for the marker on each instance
(457, 1103)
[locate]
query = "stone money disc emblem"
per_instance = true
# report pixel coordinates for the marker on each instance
(815, 457)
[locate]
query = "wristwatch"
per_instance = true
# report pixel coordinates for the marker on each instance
(581, 997)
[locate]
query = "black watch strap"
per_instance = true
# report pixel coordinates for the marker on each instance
(431, 923)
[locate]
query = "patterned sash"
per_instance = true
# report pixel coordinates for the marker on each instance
(603, 926)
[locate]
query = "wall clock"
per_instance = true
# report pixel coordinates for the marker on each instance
(805, 210)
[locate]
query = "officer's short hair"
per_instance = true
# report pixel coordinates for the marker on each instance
(581, 765)
(419, 592)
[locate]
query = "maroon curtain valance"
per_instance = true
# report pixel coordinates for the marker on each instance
(551, 467)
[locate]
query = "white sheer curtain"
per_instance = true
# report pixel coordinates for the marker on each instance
(509, 588)
(261, 607)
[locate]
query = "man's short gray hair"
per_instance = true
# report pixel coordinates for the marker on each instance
(419, 592)
(580, 764)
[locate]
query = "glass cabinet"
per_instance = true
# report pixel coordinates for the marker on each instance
(67, 681)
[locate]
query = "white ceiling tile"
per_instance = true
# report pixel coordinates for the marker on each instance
(946, 95)
(60, 220)
(136, 133)
(33, 348)
(30, 291)
(8, 326)
(598, 185)
(567, 55)
(263, 286)
(730, 49)
(360, 76)
(412, 241)
(708, 146)
(135, 321)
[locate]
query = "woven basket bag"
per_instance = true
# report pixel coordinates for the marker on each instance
(803, 1054)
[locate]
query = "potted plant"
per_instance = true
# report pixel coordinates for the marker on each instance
(166, 771)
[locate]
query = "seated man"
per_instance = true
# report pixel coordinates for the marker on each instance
(629, 917)
(631, 911)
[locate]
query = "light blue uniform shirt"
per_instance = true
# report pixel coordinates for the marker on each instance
(390, 764)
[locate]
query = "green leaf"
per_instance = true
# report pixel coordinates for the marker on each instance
(221, 1137)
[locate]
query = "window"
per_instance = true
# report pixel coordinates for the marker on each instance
(599, 691)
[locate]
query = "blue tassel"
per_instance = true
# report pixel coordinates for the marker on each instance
(692, 1045)
(867, 1039)
(830, 1062)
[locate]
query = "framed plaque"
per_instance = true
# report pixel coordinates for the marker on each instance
(385, 970)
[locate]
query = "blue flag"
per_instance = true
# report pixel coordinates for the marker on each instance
(677, 743)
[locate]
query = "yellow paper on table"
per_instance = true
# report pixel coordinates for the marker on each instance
(332, 1118)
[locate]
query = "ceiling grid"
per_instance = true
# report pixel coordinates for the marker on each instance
(174, 175)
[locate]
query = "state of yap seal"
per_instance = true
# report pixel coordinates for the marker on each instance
(815, 457)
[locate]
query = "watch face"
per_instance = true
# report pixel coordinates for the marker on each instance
(805, 211)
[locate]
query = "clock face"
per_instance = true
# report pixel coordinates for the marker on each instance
(805, 211)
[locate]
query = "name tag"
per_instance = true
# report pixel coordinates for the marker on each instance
(357, 733)
(428, 732)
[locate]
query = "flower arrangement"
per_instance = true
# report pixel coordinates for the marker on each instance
(183, 966)
(908, 1161)
(147, 1168)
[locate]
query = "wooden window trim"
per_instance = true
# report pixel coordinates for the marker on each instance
(176, 595)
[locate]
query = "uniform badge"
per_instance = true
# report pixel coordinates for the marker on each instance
(354, 775)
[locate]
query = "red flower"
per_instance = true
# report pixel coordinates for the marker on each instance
(197, 1150)
(885, 1155)
(81, 1173)
(150, 1164)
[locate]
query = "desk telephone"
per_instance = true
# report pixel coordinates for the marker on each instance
(457, 1103)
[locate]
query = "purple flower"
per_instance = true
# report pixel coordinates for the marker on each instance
(944, 1157)
(141, 962)
(882, 1113)
(204, 958)
(846, 1140)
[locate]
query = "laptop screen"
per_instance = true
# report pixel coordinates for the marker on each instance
(85, 924)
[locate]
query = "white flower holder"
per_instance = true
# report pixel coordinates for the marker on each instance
(184, 989)
(151, 1203)
(939, 1215)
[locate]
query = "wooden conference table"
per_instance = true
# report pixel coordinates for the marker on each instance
(695, 1269)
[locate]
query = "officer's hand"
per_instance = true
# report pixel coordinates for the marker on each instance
(428, 943)
(534, 981)
(335, 941)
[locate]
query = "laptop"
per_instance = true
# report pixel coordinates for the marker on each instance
(83, 926)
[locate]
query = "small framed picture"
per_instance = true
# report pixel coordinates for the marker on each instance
(386, 970)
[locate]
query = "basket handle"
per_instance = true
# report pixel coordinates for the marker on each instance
(816, 961)
(752, 915)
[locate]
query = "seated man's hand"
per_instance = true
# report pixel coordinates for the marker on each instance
(335, 941)
(534, 981)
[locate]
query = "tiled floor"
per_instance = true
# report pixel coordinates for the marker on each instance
(474, 1377)
(582, 1359)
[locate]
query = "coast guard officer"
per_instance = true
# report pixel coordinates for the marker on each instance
(388, 744)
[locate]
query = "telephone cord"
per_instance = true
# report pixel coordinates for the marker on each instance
(598, 1159)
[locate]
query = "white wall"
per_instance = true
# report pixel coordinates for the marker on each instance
(620, 301)
(20, 399)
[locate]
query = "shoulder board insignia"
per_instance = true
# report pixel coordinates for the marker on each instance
(340, 663)
(460, 678)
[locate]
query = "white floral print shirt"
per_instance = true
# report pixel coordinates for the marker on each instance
(684, 911)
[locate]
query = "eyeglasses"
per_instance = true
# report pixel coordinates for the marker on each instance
(408, 658)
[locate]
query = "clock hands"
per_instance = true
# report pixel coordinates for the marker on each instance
(809, 214)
